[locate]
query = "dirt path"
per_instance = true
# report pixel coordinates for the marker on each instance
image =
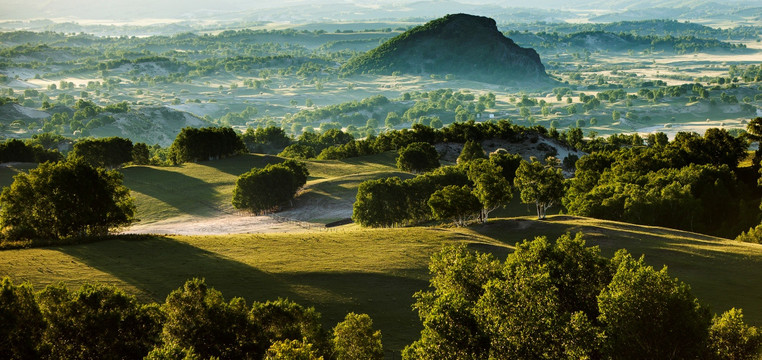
(220, 225)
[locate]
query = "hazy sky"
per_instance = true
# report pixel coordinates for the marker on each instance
(160, 9)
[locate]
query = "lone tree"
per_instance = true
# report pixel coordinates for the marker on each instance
(454, 202)
(354, 338)
(418, 157)
(60, 200)
(265, 190)
(490, 187)
(540, 184)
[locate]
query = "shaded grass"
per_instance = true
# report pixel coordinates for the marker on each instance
(206, 188)
(7, 172)
(374, 271)
(369, 271)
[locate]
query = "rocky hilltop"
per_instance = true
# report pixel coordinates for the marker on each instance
(467, 46)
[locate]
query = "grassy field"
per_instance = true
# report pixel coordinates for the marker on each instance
(206, 188)
(375, 271)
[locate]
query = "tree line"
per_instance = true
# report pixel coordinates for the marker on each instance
(194, 322)
(691, 183)
(470, 190)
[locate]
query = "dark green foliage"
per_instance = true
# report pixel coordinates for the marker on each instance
(201, 144)
(450, 328)
(298, 151)
(490, 186)
(59, 200)
(689, 183)
(454, 203)
(268, 140)
(351, 149)
(267, 189)
(380, 202)
(354, 338)
(418, 157)
(14, 150)
(437, 47)
(96, 322)
(753, 235)
(540, 184)
(292, 350)
(471, 150)
(107, 153)
(648, 314)
(199, 318)
(286, 320)
(731, 339)
(622, 40)
(172, 351)
(392, 202)
(141, 155)
(657, 139)
(539, 306)
(508, 162)
(23, 324)
(563, 300)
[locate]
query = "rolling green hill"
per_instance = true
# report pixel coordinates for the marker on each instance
(373, 270)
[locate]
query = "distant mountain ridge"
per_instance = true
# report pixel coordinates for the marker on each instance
(467, 46)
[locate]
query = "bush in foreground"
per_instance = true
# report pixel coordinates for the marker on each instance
(65, 199)
(563, 300)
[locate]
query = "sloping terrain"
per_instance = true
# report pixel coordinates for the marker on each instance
(374, 271)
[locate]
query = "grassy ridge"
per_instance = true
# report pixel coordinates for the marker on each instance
(374, 270)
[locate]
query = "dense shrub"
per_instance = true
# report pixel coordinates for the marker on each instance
(267, 189)
(201, 144)
(60, 200)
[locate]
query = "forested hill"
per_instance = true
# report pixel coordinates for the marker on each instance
(464, 45)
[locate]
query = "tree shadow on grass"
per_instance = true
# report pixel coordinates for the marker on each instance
(157, 265)
(239, 164)
(186, 194)
(388, 299)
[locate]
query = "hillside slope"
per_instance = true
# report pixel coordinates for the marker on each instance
(374, 271)
(464, 45)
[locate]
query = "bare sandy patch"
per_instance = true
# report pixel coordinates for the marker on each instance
(221, 225)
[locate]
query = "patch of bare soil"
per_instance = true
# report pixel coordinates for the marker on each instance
(221, 225)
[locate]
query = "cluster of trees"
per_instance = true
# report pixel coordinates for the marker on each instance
(15, 150)
(620, 41)
(458, 132)
(563, 300)
(109, 153)
(201, 144)
(689, 183)
(267, 189)
(195, 322)
(266, 140)
(470, 190)
(106, 153)
(62, 200)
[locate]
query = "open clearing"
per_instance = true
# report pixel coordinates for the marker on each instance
(375, 271)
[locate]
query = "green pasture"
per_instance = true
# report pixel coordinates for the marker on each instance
(375, 271)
